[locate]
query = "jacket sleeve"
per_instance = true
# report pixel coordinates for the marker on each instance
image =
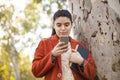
(88, 70)
(42, 61)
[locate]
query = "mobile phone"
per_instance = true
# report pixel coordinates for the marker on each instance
(64, 39)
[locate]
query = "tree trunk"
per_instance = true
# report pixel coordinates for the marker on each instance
(14, 60)
(13, 55)
(97, 23)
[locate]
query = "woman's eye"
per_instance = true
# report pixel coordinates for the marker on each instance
(58, 25)
(67, 24)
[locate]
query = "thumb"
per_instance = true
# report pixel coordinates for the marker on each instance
(73, 50)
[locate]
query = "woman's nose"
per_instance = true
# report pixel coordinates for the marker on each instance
(63, 27)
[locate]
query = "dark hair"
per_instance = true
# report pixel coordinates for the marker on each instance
(61, 13)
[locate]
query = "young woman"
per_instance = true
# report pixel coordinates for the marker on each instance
(56, 60)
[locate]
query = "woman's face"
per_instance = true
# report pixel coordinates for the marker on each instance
(62, 26)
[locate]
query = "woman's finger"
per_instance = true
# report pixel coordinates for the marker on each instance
(73, 50)
(63, 46)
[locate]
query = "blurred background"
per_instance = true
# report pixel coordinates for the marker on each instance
(22, 25)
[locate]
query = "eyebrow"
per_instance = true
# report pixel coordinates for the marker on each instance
(64, 23)
(67, 23)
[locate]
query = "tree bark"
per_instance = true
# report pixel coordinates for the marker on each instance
(97, 23)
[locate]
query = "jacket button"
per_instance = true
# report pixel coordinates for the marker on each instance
(59, 75)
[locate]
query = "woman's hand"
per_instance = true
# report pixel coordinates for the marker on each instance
(76, 57)
(60, 48)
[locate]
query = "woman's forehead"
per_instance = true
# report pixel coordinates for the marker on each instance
(62, 19)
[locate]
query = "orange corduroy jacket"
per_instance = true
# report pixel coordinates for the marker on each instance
(43, 66)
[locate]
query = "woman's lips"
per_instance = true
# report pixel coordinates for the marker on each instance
(63, 33)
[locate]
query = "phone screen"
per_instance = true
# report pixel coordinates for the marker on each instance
(64, 39)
